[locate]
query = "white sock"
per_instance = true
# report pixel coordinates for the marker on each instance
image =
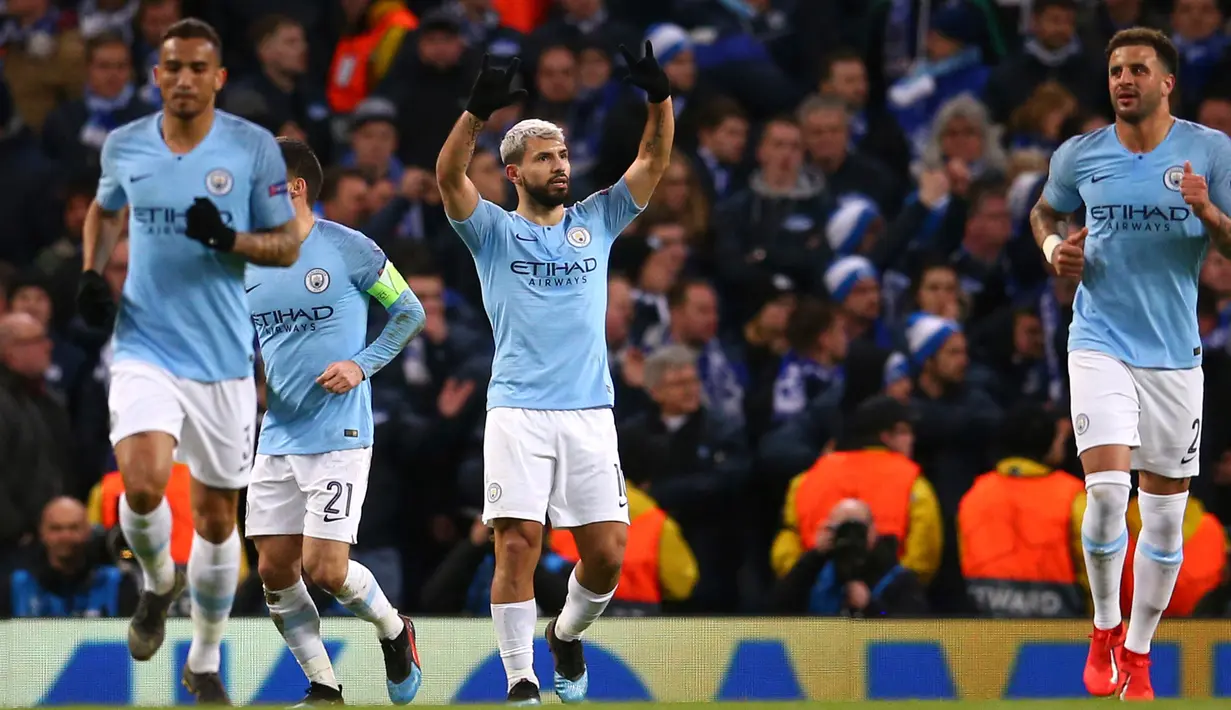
(1104, 538)
(149, 538)
(515, 638)
(362, 596)
(1156, 564)
(581, 609)
(213, 575)
(299, 622)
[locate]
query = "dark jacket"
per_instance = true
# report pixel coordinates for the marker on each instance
(36, 451)
(811, 587)
(760, 230)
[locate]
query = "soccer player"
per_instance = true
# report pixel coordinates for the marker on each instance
(205, 192)
(310, 475)
(549, 446)
(1134, 351)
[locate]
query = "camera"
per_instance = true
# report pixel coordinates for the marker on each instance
(850, 550)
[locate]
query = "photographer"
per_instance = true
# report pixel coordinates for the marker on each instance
(850, 571)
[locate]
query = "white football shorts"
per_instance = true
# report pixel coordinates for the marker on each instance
(557, 465)
(1156, 412)
(213, 422)
(317, 495)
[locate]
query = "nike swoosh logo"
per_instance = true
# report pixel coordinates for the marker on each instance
(525, 239)
(1187, 460)
(334, 520)
(1100, 178)
(250, 290)
(138, 178)
(624, 503)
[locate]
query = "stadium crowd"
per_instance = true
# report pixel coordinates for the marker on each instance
(839, 356)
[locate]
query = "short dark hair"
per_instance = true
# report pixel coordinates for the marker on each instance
(837, 56)
(334, 177)
(103, 39)
(1147, 37)
(1027, 432)
(717, 110)
(1042, 5)
(413, 259)
(192, 28)
(808, 321)
(267, 26)
(301, 162)
(677, 295)
(985, 189)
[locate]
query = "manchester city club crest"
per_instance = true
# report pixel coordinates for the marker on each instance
(316, 280)
(493, 492)
(579, 237)
(1172, 177)
(219, 182)
(1083, 423)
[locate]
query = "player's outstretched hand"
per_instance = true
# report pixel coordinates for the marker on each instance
(492, 89)
(205, 225)
(94, 301)
(341, 377)
(645, 73)
(1195, 190)
(1070, 257)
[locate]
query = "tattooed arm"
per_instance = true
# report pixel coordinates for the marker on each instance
(274, 247)
(654, 154)
(457, 191)
(1218, 227)
(1044, 220)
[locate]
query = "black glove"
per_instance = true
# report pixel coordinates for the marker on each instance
(491, 89)
(205, 225)
(94, 301)
(645, 74)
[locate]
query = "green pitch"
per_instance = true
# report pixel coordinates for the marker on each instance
(1167, 704)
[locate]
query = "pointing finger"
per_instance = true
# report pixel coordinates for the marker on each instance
(649, 50)
(513, 66)
(628, 56)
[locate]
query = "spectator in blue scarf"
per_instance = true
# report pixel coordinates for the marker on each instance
(74, 132)
(953, 66)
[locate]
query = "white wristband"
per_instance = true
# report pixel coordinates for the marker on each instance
(1049, 246)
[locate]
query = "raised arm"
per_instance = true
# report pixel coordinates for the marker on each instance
(489, 93)
(457, 192)
(654, 153)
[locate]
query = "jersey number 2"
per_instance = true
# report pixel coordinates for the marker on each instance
(1192, 448)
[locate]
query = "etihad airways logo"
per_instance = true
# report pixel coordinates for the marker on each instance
(553, 274)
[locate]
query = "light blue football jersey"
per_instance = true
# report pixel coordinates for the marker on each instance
(1137, 300)
(545, 292)
(183, 307)
(308, 317)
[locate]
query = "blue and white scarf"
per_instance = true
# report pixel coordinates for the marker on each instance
(799, 380)
(103, 115)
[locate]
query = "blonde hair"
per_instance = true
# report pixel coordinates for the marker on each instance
(513, 145)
